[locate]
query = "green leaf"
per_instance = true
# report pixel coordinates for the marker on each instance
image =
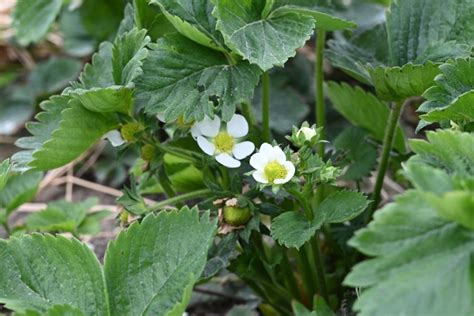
(105, 100)
(400, 83)
(364, 110)
(340, 207)
(33, 18)
(419, 257)
(38, 272)
(423, 243)
(91, 225)
(60, 216)
(452, 95)
(323, 20)
(293, 229)
(128, 54)
(47, 122)
(320, 308)
(181, 78)
(17, 105)
(263, 40)
(359, 156)
(418, 26)
(54, 74)
(19, 189)
(99, 73)
(194, 20)
(447, 150)
(5, 167)
(102, 18)
(169, 262)
(64, 131)
(56, 310)
(77, 41)
(456, 206)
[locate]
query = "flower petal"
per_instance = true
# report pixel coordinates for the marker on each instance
(278, 154)
(290, 172)
(115, 138)
(243, 149)
(259, 176)
(206, 145)
(258, 161)
(237, 126)
(228, 161)
(266, 149)
(207, 127)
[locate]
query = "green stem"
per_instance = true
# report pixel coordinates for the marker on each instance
(321, 276)
(181, 198)
(319, 87)
(6, 227)
(179, 152)
(266, 107)
(248, 113)
(289, 275)
(387, 146)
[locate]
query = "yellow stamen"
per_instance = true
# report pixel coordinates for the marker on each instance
(274, 170)
(224, 142)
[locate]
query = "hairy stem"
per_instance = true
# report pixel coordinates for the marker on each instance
(181, 198)
(321, 276)
(179, 152)
(320, 110)
(387, 146)
(266, 107)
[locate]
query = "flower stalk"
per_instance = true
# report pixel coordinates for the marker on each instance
(181, 198)
(320, 109)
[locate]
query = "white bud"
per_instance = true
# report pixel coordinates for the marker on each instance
(308, 132)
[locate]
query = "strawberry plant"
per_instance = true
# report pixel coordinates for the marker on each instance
(365, 208)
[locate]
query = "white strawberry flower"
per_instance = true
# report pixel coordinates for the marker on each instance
(115, 138)
(223, 140)
(271, 166)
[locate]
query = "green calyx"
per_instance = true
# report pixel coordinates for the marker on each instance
(129, 130)
(148, 152)
(236, 216)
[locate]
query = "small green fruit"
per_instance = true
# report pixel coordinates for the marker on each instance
(236, 216)
(148, 152)
(129, 130)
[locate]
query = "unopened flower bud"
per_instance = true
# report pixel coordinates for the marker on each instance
(129, 130)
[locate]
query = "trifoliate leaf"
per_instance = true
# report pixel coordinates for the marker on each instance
(33, 18)
(400, 83)
(169, 262)
(340, 207)
(263, 40)
(63, 132)
(452, 96)
(77, 41)
(56, 310)
(17, 105)
(364, 110)
(38, 272)
(194, 20)
(91, 225)
(320, 308)
(102, 18)
(183, 78)
(19, 188)
(293, 229)
(423, 242)
(59, 216)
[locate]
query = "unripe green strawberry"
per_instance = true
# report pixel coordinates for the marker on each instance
(148, 152)
(129, 130)
(236, 216)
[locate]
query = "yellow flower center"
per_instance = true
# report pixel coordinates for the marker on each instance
(274, 170)
(224, 142)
